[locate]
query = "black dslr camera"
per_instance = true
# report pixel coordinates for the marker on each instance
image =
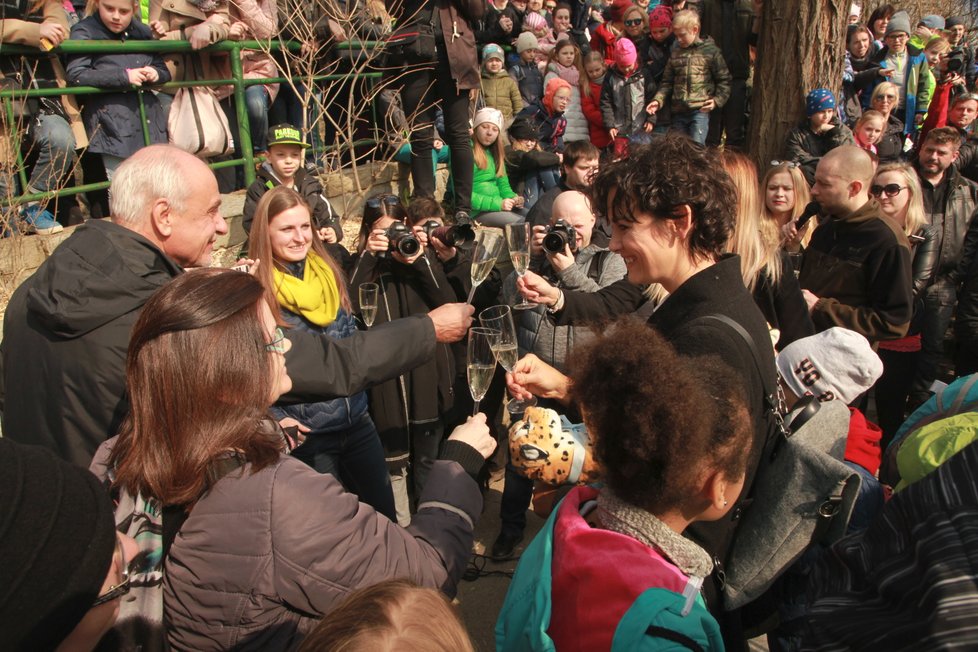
(402, 240)
(558, 236)
(449, 235)
(955, 62)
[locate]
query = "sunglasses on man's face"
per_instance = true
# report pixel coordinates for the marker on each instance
(890, 190)
(633, 22)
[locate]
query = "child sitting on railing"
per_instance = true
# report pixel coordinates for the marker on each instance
(113, 119)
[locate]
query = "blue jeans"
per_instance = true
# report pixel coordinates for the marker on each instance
(257, 101)
(356, 457)
(54, 143)
(694, 124)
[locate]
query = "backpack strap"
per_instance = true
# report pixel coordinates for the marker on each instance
(597, 264)
(670, 635)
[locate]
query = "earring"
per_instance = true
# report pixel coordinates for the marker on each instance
(724, 502)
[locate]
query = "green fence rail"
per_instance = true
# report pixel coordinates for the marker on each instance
(237, 81)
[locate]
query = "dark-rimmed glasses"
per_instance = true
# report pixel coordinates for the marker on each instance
(122, 588)
(277, 345)
(890, 190)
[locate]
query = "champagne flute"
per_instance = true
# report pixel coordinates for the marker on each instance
(481, 363)
(368, 302)
(499, 319)
(518, 239)
(488, 244)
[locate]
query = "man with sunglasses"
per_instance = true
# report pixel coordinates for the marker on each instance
(951, 203)
(856, 270)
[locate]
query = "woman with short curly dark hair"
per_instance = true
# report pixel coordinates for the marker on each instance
(671, 206)
(672, 439)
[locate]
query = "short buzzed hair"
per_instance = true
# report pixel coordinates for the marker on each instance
(944, 136)
(852, 163)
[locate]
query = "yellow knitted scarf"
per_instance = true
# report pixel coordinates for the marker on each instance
(315, 296)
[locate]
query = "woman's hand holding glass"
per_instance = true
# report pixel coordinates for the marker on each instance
(536, 289)
(533, 377)
(499, 319)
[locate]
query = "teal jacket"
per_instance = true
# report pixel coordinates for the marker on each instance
(915, 88)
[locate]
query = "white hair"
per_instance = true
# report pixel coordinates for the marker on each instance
(154, 172)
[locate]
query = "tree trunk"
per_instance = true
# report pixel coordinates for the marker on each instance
(801, 47)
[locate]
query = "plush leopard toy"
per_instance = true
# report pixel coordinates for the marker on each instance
(545, 446)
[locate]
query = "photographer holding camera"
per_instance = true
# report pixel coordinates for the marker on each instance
(407, 410)
(563, 253)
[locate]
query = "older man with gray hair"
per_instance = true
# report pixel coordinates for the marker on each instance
(66, 329)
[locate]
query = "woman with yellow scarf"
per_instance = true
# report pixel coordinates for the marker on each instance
(306, 288)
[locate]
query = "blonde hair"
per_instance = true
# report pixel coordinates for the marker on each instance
(883, 87)
(685, 19)
(871, 114)
(916, 216)
(756, 241)
(802, 197)
(591, 57)
(498, 154)
(939, 44)
(389, 617)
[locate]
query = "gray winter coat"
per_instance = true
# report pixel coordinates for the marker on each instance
(535, 332)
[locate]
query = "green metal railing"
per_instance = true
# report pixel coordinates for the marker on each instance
(237, 81)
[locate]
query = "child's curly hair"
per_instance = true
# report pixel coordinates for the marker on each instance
(659, 419)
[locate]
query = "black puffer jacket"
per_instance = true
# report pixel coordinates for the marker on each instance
(112, 119)
(66, 332)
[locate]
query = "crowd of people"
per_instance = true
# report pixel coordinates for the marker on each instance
(285, 454)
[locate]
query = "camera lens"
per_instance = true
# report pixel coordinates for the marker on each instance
(555, 241)
(407, 244)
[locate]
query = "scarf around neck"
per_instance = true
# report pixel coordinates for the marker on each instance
(569, 74)
(315, 296)
(624, 518)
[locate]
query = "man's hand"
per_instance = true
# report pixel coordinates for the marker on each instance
(475, 433)
(536, 289)
(452, 321)
(708, 105)
(563, 260)
(810, 299)
(506, 24)
(536, 240)
(533, 377)
(613, 133)
(443, 252)
(648, 127)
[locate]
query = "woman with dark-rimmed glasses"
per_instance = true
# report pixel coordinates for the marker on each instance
(266, 545)
(897, 189)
